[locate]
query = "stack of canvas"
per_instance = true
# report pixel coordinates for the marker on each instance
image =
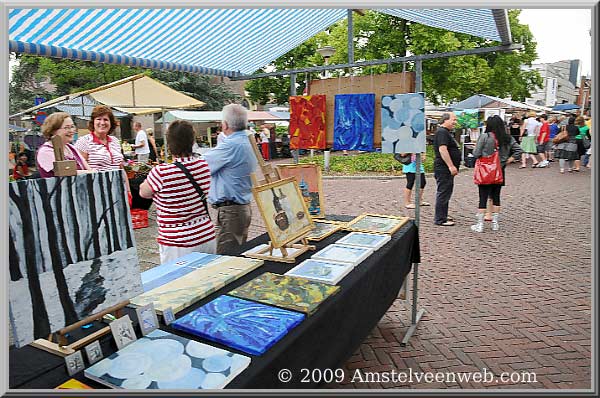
(197, 284)
(177, 268)
(241, 324)
(344, 253)
(296, 294)
(162, 360)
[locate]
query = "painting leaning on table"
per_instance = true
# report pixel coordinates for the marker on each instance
(71, 251)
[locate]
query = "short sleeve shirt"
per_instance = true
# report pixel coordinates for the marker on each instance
(444, 137)
(101, 157)
(139, 137)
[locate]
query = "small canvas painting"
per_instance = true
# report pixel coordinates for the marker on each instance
(376, 223)
(296, 294)
(162, 360)
(284, 211)
(308, 176)
(307, 122)
(403, 123)
(74, 363)
(330, 272)
(241, 324)
(147, 318)
(323, 228)
(168, 316)
(467, 119)
(71, 250)
(354, 119)
(344, 253)
(122, 331)
(93, 352)
(374, 241)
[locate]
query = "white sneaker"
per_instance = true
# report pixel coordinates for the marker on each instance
(495, 226)
(477, 227)
(542, 164)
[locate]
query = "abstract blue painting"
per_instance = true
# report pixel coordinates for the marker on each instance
(403, 123)
(241, 324)
(162, 360)
(354, 118)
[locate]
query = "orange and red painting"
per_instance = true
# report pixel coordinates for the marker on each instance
(307, 122)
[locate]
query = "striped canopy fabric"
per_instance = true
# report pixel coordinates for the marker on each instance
(223, 42)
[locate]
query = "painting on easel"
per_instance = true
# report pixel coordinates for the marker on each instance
(284, 211)
(71, 251)
(310, 183)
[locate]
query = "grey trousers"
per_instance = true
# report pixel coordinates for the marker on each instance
(232, 227)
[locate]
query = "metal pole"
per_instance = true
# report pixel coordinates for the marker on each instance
(416, 315)
(293, 84)
(350, 37)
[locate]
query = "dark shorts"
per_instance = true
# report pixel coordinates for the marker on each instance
(410, 180)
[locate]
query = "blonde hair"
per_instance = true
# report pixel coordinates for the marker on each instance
(150, 131)
(53, 123)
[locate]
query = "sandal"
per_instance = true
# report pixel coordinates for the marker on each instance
(522, 167)
(535, 166)
(562, 171)
(410, 206)
(425, 204)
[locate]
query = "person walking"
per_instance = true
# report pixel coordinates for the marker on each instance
(543, 140)
(583, 133)
(445, 167)
(184, 225)
(529, 131)
(231, 163)
(567, 151)
(494, 138)
(410, 170)
(554, 129)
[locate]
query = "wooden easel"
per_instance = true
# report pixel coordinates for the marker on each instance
(271, 174)
(63, 349)
(62, 167)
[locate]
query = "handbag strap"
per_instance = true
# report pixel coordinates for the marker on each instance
(194, 184)
(495, 139)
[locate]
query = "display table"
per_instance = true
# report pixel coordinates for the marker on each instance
(325, 340)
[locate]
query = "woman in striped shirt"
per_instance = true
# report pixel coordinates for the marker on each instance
(184, 225)
(101, 150)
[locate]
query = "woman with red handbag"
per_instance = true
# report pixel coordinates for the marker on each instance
(495, 148)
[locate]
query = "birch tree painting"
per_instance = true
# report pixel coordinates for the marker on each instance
(71, 251)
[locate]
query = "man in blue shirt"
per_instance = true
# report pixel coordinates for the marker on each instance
(231, 163)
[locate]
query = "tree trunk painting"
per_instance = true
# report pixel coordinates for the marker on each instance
(71, 251)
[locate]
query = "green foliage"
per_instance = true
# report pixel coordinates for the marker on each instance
(368, 163)
(25, 85)
(381, 36)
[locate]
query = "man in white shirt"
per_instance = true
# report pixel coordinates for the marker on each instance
(142, 149)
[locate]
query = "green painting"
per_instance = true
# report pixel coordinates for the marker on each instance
(467, 119)
(297, 294)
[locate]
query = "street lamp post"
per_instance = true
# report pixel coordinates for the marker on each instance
(326, 52)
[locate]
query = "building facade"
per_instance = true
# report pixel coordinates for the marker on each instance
(560, 81)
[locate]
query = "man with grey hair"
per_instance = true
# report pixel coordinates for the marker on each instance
(445, 167)
(231, 163)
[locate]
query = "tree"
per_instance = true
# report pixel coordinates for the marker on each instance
(381, 36)
(25, 84)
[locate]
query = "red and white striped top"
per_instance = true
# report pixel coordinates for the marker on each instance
(181, 216)
(100, 156)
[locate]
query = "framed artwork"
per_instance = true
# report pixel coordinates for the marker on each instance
(245, 325)
(403, 123)
(74, 363)
(310, 182)
(122, 331)
(93, 352)
(147, 318)
(467, 119)
(307, 122)
(162, 360)
(284, 211)
(323, 228)
(330, 272)
(168, 316)
(374, 241)
(354, 119)
(72, 251)
(287, 292)
(376, 223)
(344, 253)
(73, 384)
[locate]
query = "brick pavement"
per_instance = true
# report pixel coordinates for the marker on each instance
(516, 300)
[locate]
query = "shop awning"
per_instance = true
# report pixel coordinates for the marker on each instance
(216, 116)
(224, 42)
(136, 95)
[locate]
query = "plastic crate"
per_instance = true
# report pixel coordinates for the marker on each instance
(139, 218)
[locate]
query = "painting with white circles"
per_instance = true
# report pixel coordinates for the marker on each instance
(403, 123)
(161, 360)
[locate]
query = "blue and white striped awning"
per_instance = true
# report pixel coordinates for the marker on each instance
(224, 42)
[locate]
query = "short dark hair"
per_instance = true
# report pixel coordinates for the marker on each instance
(22, 154)
(544, 116)
(100, 110)
(180, 138)
(445, 116)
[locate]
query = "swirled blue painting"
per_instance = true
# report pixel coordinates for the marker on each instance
(354, 118)
(241, 324)
(162, 360)
(403, 123)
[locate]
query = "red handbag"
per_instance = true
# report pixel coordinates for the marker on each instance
(488, 169)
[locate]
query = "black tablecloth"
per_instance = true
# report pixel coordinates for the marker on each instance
(325, 340)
